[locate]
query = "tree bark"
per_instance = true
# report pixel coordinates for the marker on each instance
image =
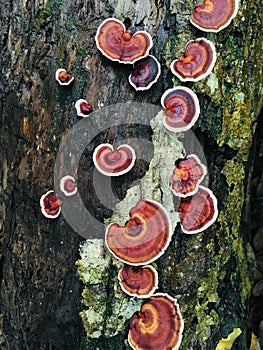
(40, 290)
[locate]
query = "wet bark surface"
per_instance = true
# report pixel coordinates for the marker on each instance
(40, 291)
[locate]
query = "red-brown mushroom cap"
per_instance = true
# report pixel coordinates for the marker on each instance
(50, 205)
(158, 326)
(214, 15)
(68, 185)
(114, 163)
(144, 237)
(198, 61)
(83, 108)
(118, 44)
(182, 108)
(63, 77)
(145, 73)
(199, 211)
(138, 281)
(187, 175)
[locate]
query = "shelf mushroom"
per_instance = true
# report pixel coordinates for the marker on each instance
(68, 185)
(50, 205)
(138, 281)
(145, 73)
(118, 44)
(187, 175)
(182, 108)
(214, 15)
(114, 163)
(197, 62)
(199, 211)
(158, 326)
(144, 237)
(63, 77)
(83, 108)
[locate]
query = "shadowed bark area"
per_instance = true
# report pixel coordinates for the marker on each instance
(40, 290)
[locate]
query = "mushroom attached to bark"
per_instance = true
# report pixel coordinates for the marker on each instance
(50, 205)
(114, 163)
(158, 326)
(182, 108)
(144, 237)
(187, 175)
(145, 73)
(197, 62)
(83, 108)
(63, 77)
(214, 15)
(119, 44)
(199, 211)
(138, 281)
(68, 185)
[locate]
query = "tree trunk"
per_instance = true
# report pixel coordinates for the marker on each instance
(209, 273)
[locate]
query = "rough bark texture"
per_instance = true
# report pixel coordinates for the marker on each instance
(40, 292)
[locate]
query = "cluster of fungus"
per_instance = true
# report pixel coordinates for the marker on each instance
(148, 232)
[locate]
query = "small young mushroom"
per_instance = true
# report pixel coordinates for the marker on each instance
(214, 15)
(158, 326)
(118, 44)
(83, 108)
(187, 175)
(50, 205)
(114, 163)
(68, 185)
(182, 108)
(197, 62)
(199, 211)
(63, 77)
(144, 237)
(138, 281)
(145, 73)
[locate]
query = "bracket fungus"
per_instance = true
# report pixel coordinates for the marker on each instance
(68, 185)
(138, 281)
(182, 108)
(214, 15)
(63, 77)
(114, 163)
(199, 211)
(50, 205)
(119, 44)
(145, 73)
(83, 108)
(158, 326)
(187, 175)
(197, 62)
(144, 237)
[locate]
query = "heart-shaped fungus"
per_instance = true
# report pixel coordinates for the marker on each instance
(145, 73)
(68, 185)
(214, 15)
(118, 44)
(199, 211)
(197, 62)
(187, 175)
(138, 281)
(83, 108)
(182, 108)
(144, 237)
(114, 163)
(158, 326)
(50, 205)
(63, 77)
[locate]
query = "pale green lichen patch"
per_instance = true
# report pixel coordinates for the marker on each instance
(181, 7)
(106, 307)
